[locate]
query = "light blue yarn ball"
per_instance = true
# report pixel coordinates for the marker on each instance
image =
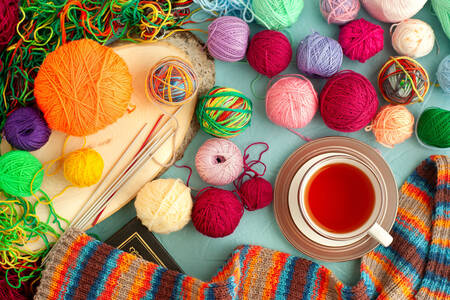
(236, 8)
(443, 74)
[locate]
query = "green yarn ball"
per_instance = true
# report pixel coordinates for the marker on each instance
(433, 127)
(17, 169)
(442, 10)
(277, 14)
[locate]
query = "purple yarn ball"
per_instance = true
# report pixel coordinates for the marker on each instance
(26, 129)
(228, 38)
(319, 56)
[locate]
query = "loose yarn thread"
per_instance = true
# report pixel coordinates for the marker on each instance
(339, 11)
(277, 14)
(393, 11)
(442, 11)
(413, 38)
(443, 74)
(433, 127)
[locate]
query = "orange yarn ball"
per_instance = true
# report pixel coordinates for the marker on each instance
(82, 87)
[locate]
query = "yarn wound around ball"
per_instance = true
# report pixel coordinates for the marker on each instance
(413, 38)
(277, 14)
(442, 11)
(224, 112)
(339, 11)
(433, 127)
(26, 129)
(9, 12)
(164, 205)
(82, 87)
(237, 8)
(83, 167)
(393, 11)
(443, 74)
(361, 40)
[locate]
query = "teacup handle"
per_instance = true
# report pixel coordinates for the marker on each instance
(381, 235)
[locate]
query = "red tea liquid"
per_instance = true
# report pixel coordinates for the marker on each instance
(339, 198)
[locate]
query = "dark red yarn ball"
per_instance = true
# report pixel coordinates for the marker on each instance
(256, 193)
(9, 17)
(216, 212)
(269, 52)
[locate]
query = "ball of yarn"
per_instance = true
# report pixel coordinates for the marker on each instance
(17, 170)
(224, 112)
(392, 125)
(393, 11)
(256, 193)
(269, 52)
(291, 102)
(219, 161)
(360, 39)
(277, 14)
(238, 8)
(348, 101)
(164, 205)
(228, 38)
(26, 129)
(83, 167)
(413, 38)
(9, 12)
(172, 81)
(339, 11)
(433, 127)
(402, 80)
(319, 56)
(216, 212)
(82, 87)
(442, 11)
(443, 74)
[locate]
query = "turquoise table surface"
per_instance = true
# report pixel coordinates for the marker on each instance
(201, 256)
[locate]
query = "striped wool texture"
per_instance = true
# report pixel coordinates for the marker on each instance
(415, 266)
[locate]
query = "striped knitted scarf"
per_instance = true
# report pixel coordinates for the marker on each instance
(416, 265)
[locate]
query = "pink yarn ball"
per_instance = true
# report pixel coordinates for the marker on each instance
(348, 101)
(216, 212)
(291, 102)
(219, 161)
(269, 52)
(256, 193)
(339, 11)
(360, 39)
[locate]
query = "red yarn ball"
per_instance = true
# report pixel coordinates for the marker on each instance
(9, 17)
(348, 101)
(216, 212)
(269, 52)
(256, 193)
(360, 39)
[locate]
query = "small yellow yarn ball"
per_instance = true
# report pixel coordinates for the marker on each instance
(164, 205)
(83, 167)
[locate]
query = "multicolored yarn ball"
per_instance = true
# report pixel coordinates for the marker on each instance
(339, 11)
(319, 56)
(172, 81)
(224, 112)
(348, 101)
(26, 129)
(393, 11)
(9, 12)
(228, 38)
(277, 14)
(238, 8)
(82, 87)
(256, 193)
(360, 39)
(218, 161)
(392, 125)
(216, 212)
(443, 74)
(269, 52)
(164, 205)
(291, 101)
(433, 127)
(19, 170)
(83, 167)
(413, 38)
(442, 11)
(402, 80)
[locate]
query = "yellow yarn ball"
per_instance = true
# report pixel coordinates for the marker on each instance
(83, 167)
(392, 125)
(164, 205)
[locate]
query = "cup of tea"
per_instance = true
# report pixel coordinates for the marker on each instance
(341, 199)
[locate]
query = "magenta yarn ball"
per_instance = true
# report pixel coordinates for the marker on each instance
(348, 101)
(256, 193)
(216, 212)
(269, 52)
(339, 11)
(360, 39)
(291, 102)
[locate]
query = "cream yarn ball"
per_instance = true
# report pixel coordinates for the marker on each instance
(393, 11)
(164, 205)
(413, 38)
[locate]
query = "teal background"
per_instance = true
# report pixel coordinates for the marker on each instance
(201, 256)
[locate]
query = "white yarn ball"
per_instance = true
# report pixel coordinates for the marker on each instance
(413, 38)
(164, 205)
(393, 11)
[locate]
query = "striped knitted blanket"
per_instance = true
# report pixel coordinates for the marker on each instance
(416, 265)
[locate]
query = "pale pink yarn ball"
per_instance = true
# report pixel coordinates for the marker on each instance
(219, 161)
(291, 102)
(393, 11)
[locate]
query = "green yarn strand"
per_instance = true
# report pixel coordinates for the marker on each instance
(433, 127)
(442, 10)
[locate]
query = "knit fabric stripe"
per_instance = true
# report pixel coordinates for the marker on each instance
(143, 284)
(421, 196)
(299, 279)
(109, 264)
(311, 275)
(154, 283)
(415, 222)
(122, 265)
(286, 277)
(373, 280)
(250, 272)
(273, 275)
